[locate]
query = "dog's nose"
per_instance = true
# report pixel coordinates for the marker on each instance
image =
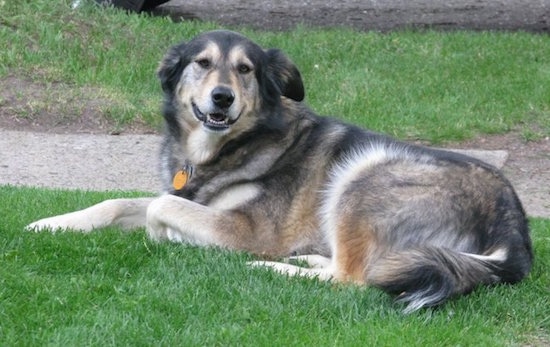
(223, 97)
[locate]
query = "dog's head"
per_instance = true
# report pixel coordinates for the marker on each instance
(221, 81)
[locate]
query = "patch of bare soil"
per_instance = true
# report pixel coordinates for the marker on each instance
(58, 108)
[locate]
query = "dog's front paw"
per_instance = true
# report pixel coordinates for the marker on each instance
(52, 224)
(76, 221)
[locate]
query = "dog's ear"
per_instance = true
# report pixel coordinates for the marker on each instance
(284, 75)
(171, 67)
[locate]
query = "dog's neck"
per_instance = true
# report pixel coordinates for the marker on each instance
(201, 146)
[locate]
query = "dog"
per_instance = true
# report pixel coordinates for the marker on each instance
(246, 165)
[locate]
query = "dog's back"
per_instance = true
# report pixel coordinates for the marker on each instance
(424, 224)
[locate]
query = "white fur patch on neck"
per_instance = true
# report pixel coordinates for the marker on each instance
(235, 196)
(202, 145)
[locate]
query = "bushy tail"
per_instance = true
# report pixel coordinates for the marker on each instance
(429, 276)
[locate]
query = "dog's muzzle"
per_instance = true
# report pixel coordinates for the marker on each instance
(219, 120)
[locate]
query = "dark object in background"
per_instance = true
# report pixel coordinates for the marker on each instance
(133, 5)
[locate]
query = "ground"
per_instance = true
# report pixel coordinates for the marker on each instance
(52, 109)
(369, 14)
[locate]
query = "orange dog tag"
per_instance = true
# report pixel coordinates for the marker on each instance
(180, 179)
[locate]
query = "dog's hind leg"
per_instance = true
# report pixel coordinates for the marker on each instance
(126, 213)
(321, 273)
(315, 261)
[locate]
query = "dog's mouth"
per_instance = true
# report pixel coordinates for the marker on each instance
(215, 121)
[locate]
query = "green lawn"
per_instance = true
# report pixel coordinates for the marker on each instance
(116, 288)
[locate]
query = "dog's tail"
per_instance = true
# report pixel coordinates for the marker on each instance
(428, 276)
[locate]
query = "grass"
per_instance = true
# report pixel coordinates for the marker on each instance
(424, 85)
(115, 288)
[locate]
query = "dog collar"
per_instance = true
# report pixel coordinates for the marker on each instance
(182, 177)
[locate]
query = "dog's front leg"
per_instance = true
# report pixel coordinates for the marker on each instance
(177, 219)
(126, 213)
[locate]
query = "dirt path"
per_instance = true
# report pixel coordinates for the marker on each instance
(382, 15)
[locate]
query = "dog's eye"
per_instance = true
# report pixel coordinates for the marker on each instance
(204, 63)
(244, 69)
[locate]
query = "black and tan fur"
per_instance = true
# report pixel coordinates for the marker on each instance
(273, 178)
